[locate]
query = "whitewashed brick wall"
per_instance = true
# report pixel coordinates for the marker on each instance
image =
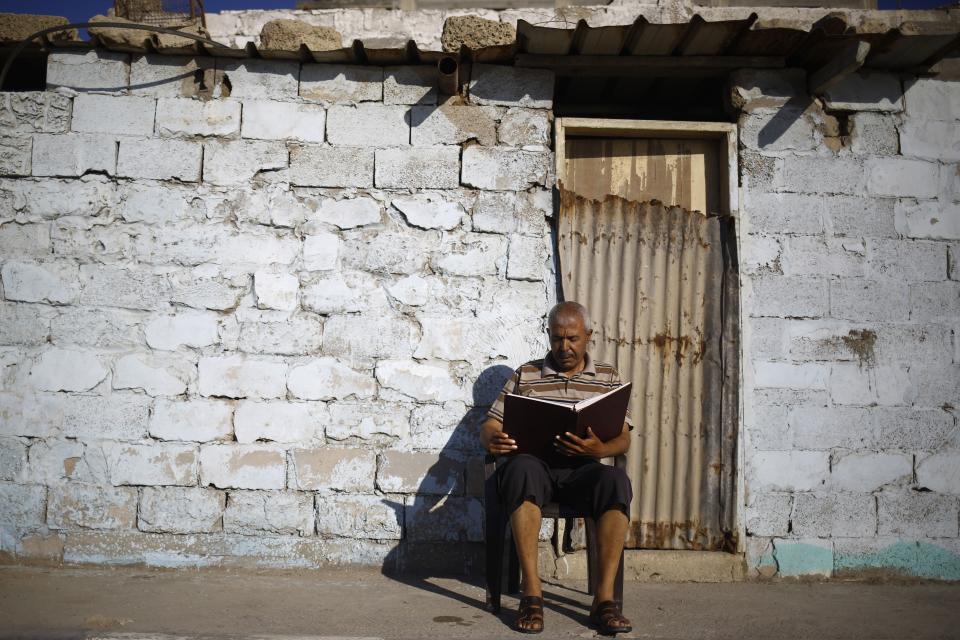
(253, 329)
(851, 326)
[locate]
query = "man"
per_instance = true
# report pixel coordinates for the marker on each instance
(572, 473)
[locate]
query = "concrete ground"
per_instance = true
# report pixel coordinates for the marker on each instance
(137, 604)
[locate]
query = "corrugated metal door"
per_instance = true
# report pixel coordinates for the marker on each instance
(637, 249)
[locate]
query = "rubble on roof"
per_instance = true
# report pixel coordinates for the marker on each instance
(475, 33)
(121, 39)
(289, 35)
(14, 27)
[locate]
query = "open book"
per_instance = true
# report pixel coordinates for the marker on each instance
(533, 422)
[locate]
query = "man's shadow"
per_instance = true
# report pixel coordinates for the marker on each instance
(442, 522)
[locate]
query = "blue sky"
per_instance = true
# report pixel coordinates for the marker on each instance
(80, 10)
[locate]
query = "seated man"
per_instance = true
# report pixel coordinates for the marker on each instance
(572, 474)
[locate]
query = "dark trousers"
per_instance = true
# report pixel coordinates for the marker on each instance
(589, 485)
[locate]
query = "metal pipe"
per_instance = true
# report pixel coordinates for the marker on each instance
(86, 25)
(448, 75)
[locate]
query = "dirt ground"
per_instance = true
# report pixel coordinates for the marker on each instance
(141, 604)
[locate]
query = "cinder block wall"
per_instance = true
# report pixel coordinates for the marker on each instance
(263, 327)
(850, 240)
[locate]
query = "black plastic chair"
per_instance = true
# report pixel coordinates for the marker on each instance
(496, 529)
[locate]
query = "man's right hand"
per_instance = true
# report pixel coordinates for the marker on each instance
(501, 444)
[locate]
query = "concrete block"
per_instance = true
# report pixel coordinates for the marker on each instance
(936, 386)
(154, 375)
(152, 464)
(511, 86)
(345, 214)
(15, 156)
(357, 516)
(114, 115)
(192, 420)
(913, 429)
(868, 300)
(909, 260)
(24, 324)
(238, 376)
(420, 473)
(504, 169)
(443, 519)
(869, 471)
(328, 379)
(97, 327)
(917, 514)
(26, 112)
(761, 254)
(420, 168)
(346, 470)
(276, 512)
(784, 129)
(368, 420)
(22, 504)
(13, 460)
(271, 120)
(820, 175)
(949, 183)
(187, 329)
(930, 139)
(928, 219)
(874, 134)
(67, 370)
(859, 216)
(399, 251)
(834, 515)
(53, 461)
(54, 283)
(153, 202)
(752, 89)
(336, 83)
(368, 125)
(24, 240)
(299, 335)
(474, 255)
(453, 124)
(852, 384)
(204, 293)
(239, 161)
(104, 71)
(160, 159)
(73, 155)
(525, 127)
(261, 79)
(117, 416)
(185, 117)
(940, 472)
(769, 338)
(450, 427)
(814, 256)
(866, 91)
(430, 211)
(108, 286)
(29, 414)
(410, 85)
(411, 290)
(788, 470)
(784, 213)
(181, 510)
(788, 375)
(778, 296)
(349, 292)
(422, 382)
(276, 290)
(803, 557)
(72, 505)
(331, 167)
(46, 199)
(931, 99)
(278, 421)
(935, 301)
(527, 259)
(243, 466)
(768, 514)
(321, 251)
(495, 212)
(903, 178)
(165, 76)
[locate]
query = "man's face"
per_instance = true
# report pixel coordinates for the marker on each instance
(568, 341)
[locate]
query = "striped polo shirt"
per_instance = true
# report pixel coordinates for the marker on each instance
(541, 379)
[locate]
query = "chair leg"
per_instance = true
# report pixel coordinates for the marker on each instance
(593, 555)
(513, 568)
(495, 532)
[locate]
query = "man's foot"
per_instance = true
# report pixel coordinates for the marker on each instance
(607, 617)
(530, 615)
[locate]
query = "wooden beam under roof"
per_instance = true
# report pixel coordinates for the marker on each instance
(849, 60)
(646, 66)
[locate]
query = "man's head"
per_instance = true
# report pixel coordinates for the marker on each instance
(568, 327)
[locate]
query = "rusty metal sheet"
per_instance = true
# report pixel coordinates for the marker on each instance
(651, 272)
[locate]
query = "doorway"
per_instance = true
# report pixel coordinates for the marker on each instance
(646, 240)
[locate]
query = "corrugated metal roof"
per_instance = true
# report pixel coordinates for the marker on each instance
(904, 47)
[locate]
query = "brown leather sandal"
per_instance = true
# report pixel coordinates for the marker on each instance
(608, 619)
(530, 612)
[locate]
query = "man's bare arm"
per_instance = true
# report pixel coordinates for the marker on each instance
(494, 440)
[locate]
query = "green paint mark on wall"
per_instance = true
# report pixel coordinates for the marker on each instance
(920, 559)
(797, 558)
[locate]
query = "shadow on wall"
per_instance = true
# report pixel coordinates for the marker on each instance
(443, 520)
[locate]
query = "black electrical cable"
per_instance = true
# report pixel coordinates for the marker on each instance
(86, 25)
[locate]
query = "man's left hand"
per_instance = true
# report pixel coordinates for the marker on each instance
(570, 445)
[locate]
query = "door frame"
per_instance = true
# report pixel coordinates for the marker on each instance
(726, 134)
